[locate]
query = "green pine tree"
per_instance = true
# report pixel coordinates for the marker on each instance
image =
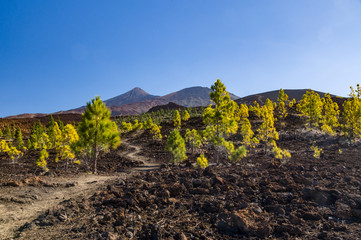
(7, 133)
(176, 146)
(311, 106)
(18, 139)
(97, 133)
(352, 114)
(222, 118)
(177, 119)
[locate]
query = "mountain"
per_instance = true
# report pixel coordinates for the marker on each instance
(138, 101)
(192, 97)
(273, 95)
(135, 95)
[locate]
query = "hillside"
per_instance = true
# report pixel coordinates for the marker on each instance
(192, 97)
(273, 95)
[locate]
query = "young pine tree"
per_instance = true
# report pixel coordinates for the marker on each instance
(266, 132)
(155, 131)
(281, 107)
(65, 149)
(177, 119)
(330, 114)
(50, 130)
(96, 131)
(311, 106)
(222, 119)
(194, 139)
(41, 160)
(248, 138)
(352, 114)
(176, 146)
(202, 161)
(185, 115)
(18, 140)
(7, 133)
(36, 134)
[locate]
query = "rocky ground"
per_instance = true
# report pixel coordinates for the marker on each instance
(258, 198)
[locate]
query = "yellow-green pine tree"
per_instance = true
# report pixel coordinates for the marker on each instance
(330, 114)
(311, 106)
(65, 149)
(352, 114)
(7, 133)
(176, 145)
(222, 118)
(177, 119)
(193, 138)
(185, 115)
(41, 161)
(281, 108)
(267, 132)
(155, 131)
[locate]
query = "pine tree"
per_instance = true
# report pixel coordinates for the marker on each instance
(41, 160)
(12, 151)
(1, 134)
(248, 138)
(65, 150)
(54, 132)
(147, 124)
(4, 147)
(138, 126)
(281, 108)
(155, 131)
(96, 131)
(194, 139)
(266, 132)
(243, 111)
(330, 114)
(36, 134)
(177, 119)
(352, 114)
(7, 133)
(311, 106)
(185, 115)
(126, 127)
(176, 146)
(222, 119)
(18, 139)
(202, 161)
(60, 124)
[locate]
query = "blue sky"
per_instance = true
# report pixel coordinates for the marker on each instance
(57, 55)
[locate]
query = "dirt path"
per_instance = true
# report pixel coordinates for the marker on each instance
(20, 205)
(148, 164)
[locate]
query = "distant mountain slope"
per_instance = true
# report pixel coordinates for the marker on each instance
(138, 101)
(188, 97)
(135, 95)
(192, 97)
(273, 95)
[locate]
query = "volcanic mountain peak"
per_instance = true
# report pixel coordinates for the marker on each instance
(135, 95)
(192, 97)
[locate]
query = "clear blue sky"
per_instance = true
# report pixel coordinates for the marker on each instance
(57, 55)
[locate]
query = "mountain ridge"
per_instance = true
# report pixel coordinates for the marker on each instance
(139, 101)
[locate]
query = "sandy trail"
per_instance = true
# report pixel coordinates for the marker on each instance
(20, 205)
